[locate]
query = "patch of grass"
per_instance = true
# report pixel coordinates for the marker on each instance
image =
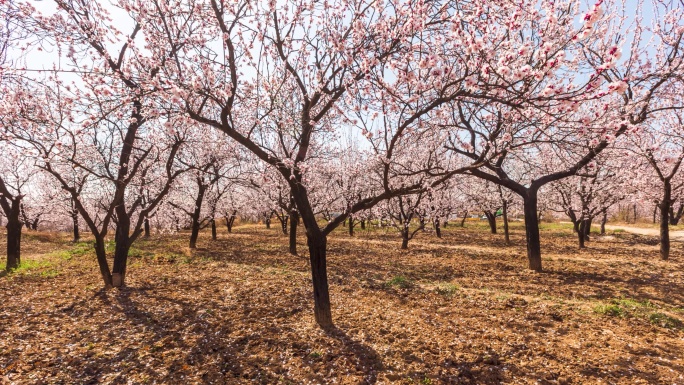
(665, 321)
(633, 304)
(27, 266)
(51, 273)
(612, 310)
(447, 289)
(399, 281)
(623, 307)
(316, 355)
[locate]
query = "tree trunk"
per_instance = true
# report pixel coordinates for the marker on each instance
(195, 228)
(294, 221)
(146, 227)
(507, 237)
(283, 224)
(268, 223)
(230, 219)
(532, 230)
(464, 219)
(122, 245)
(404, 239)
(676, 216)
(77, 232)
(101, 254)
(587, 228)
(604, 219)
(14, 226)
(665, 203)
(438, 230)
(363, 224)
(317, 254)
(581, 233)
(491, 218)
(213, 229)
(655, 213)
(635, 213)
(351, 227)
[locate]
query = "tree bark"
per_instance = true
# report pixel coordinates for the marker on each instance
(14, 226)
(230, 219)
(363, 224)
(491, 218)
(665, 203)
(213, 229)
(317, 243)
(655, 213)
(464, 219)
(604, 219)
(438, 230)
(532, 230)
(268, 223)
(294, 221)
(587, 228)
(101, 254)
(351, 227)
(122, 246)
(76, 230)
(146, 227)
(581, 233)
(675, 217)
(507, 237)
(635, 213)
(404, 239)
(283, 224)
(195, 228)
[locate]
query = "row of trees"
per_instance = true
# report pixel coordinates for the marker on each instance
(342, 106)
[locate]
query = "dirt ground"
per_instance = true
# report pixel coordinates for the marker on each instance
(458, 310)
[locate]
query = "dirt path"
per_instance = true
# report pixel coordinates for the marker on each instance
(674, 235)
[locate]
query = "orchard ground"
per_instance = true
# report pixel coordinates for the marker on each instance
(461, 309)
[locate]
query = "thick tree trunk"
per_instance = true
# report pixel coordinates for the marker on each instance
(317, 243)
(351, 227)
(507, 237)
(14, 226)
(213, 229)
(146, 227)
(532, 231)
(122, 245)
(438, 230)
(268, 223)
(604, 219)
(195, 228)
(404, 239)
(581, 233)
(101, 254)
(363, 224)
(76, 230)
(665, 203)
(194, 233)
(491, 218)
(294, 221)
(587, 229)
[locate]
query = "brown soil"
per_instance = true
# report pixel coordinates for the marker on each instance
(458, 310)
